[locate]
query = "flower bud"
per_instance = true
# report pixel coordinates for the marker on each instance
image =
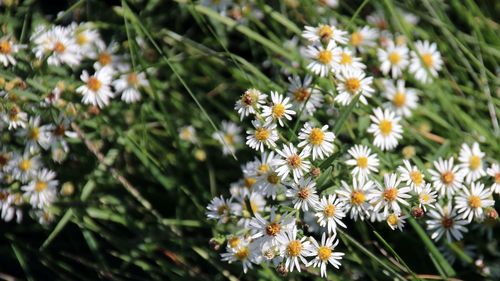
(282, 270)
(417, 212)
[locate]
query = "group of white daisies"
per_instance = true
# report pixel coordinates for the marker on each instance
(280, 213)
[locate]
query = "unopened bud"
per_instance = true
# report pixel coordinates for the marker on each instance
(282, 270)
(200, 155)
(67, 189)
(417, 212)
(408, 152)
(491, 213)
(214, 244)
(315, 172)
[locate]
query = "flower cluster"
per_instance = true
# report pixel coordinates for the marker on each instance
(287, 208)
(36, 116)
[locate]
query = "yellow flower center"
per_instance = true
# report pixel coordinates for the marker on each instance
(394, 58)
(250, 181)
(301, 94)
(474, 162)
(40, 186)
(242, 253)
(325, 33)
(294, 248)
(346, 59)
(263, 168)
(447, 222)
(325, 56)
(399, 99)
(425, 197)
(81, 39)
(34, 133)
(249, 98)
(385, 127)
(233, 242)
(5, 47)
(447, 177)
(304, 193)
(273, 229)
(132, 79)
(261, 134)
(497, 177)
(222, 209)
(94, 84)
(105, 58)
(324, 253)
(474, 201)
(316, 136)
(356, 39)
(59, 47)
(392, 219)
(352, 85)
(390, 194)
(294, 161)
(329, 210)
(416, 177)
(362, 162)
(25, 165)
(229, 138)
(427, 59)
(357, 198)
(278, 110)
(273, 178)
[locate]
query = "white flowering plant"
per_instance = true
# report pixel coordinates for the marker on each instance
(249, 139)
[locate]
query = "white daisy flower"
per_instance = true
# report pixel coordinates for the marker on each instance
(325, 253)
(265, 133)
(325, 34)
(471, 202)
(256, 201)
(303, 194)
(279, 109)
(393, 59)
(343, 58)
(42, 190)
(52, 98)
(427, 197)
(444, 221)
(15, 118)
(396, 221)
(188, 133)
(59, 44)
(106, 55)
(401, 100)
(35, 135)
(364, 38)
(96, 90)
(426, 59)
(377, 19)
(330, 211)
(267, 230)
(128, 85)
(412, 176)
(268, 182)
(11, 206)
(292, 161)
(86, 39)
(446, 178)
(250, 102)
(304, 97)
(8, 49)
(243, 253)
(385, 128)
(59, 131)
(322, 58)
(293, 249)
(494, 172)
(317, 140)
(23, 167)
(218, 209)
(364, 162)
(229, 137)
(353, 81)
(471, 162)
(389, 195)
(356, 197)
(5, 158)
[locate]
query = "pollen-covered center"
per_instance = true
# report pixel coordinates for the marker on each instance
(329, 210)
(394, 57)
(385, 127)
(474, 201)
(40, 186)
(474, 162)
(34, 133)
(345, 59)
(5, 47)
(294, 248)
(25, 165)
(324, 253)
(94, 84)
(352, 85)
(425, 197)
(59, 47)
(356, 38)
(427, 59)
(301, 94)
(325, 56)
(229, 138)
(261, 134)
(132, 79)
(273, 178)
(304, 193)
(357, 198)
(250, 181)
(399, 99)
(247, 99)
(416, 177)
(242, 253)
(316, 136)
(262, 169)
(222, 209)
(390, 194)
(81, 38)
(325, 32)
(447, 222)
(497, 177)
(392, 219)
(294, 161)
(362, 162)
(447, 177)
(273, 229)
(105, 58)
(278, 110)
(234, 242)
